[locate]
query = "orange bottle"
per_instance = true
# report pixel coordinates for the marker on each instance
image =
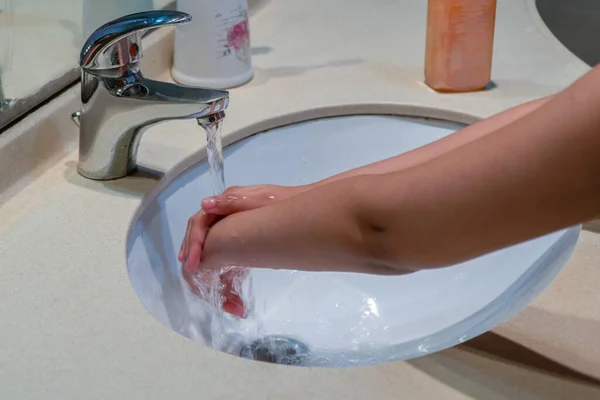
(459, 44)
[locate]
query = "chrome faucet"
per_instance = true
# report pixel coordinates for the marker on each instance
(119, 103)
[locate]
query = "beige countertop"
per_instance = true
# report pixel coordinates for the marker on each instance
(72, 326)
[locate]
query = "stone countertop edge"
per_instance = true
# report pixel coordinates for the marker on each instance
(72, 326)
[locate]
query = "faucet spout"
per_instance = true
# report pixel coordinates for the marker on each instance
(119, 103)
(117, 111)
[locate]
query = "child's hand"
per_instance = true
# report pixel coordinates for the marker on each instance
(195, 234)
(204, 281)
(234, 199)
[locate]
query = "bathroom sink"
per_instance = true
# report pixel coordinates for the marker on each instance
(331, 319)
(576, 24)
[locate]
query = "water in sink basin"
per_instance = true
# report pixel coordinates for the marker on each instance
(336, 319)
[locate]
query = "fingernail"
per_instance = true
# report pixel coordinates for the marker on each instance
(208, 203)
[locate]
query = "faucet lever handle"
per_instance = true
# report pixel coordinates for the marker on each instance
(118, 43)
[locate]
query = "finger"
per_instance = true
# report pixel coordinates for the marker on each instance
(209, 204)
(232, 278)
(198, 230)
(235, 308)
(199, 281)
(231, 281)
(183, 248)
(225, 205)
(235, 193)
(190, 279)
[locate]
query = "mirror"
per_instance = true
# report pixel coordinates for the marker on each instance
(40, 41)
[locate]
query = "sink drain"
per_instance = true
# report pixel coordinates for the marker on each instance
(276, 350)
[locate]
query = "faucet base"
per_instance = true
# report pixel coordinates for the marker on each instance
(105, 175)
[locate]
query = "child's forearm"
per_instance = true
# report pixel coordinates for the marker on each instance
(534, 176)
(538, 174)
(444, 145)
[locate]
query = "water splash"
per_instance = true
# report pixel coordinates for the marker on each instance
(216, 287)
(213, 288)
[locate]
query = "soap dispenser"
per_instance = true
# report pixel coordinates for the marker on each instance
(213, 50)
(459, 44)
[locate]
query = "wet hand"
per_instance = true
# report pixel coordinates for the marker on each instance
(244, 198)
(201, 280)
(227, 281)
(195, 234)
(234, 199)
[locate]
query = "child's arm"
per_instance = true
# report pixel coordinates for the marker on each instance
(236, 199)
(536, 175)
(444, 145)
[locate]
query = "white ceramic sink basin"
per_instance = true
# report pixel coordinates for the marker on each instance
(331, 319)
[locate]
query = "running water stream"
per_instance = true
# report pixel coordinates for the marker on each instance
(214, 149)
(222, 288)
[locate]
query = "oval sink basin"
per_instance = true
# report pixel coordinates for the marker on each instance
(331, 319)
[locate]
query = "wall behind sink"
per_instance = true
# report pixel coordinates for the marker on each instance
(576, 23)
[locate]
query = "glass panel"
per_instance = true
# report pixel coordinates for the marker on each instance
(40, 41)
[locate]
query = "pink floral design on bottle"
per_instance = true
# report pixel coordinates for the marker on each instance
(236, 36)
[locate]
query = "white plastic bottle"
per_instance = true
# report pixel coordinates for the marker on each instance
(98, 12)
(213, 50)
